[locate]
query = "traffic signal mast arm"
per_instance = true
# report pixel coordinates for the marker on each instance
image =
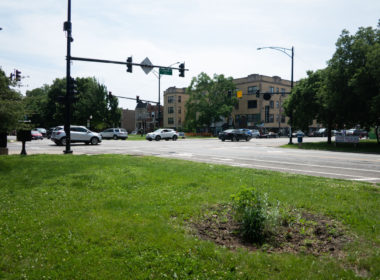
(139, 99)
(125, 63)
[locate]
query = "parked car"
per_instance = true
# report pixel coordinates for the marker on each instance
(114, 133)
(41, 130)
(298, 133)
(134, 132)
(234, 135)
(255, 133)
(322, 132)
(49, 131)
(162, 133)
(77, 134)
(36, 135)
(246, 131)
(357, 132)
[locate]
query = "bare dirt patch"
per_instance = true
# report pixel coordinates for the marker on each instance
(300, 232)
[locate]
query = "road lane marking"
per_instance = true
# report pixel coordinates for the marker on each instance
(355, 177)
(310, 165)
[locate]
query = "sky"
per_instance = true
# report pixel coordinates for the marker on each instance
(211, 36)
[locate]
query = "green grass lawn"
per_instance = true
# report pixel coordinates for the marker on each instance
(364, 146)
(126, 217)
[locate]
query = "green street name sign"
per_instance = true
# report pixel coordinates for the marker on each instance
(166, 71)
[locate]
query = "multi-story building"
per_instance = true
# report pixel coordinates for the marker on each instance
(261, 103)
(146, 117)
(174, 107)
(128, 120)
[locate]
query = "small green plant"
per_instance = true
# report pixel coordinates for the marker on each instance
(250, 213)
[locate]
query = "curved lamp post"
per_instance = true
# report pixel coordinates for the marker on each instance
(290, 53)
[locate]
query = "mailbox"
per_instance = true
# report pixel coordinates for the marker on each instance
(24, 135)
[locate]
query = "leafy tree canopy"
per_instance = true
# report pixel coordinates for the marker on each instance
(11, 106)
(45, 109)
(209, 100)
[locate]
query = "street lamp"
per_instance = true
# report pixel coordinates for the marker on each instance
(159, 91)
(290, 53)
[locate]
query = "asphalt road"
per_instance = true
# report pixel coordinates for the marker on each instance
(257, 153)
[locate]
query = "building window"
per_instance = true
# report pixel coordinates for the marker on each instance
(277, 90)
(282, 118)
(252, 104)
(271, 118)
(179, 110)
(179, 121)
(271, 104)
(255, 118)
(170, 99)
(277, 104)
(179, 98)
(170, 110)
(170, 121)
(252, 90)
(271, 89)
(283, 92)
(266, 114)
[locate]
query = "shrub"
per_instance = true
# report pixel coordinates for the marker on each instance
(257, 217)
(249, 212)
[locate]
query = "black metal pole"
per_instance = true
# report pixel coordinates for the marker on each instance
(159, 99)
(291, 89)
(67, 100)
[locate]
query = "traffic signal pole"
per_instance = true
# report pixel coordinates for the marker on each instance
(145, 65)
(67, 27)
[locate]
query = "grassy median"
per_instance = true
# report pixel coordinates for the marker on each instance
(128, 217)
(364, 146)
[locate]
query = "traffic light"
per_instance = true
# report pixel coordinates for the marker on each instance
(267, 96)
(182, 70)
(73, 89)
(137, 99)
(258, 93)
(129, 64)
(18, 75)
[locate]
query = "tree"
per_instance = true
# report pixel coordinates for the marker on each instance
(353, 78)
(347, 92)
(303, 102)
(35, 102)
(11, 108)
(209, 100)
(46, 109)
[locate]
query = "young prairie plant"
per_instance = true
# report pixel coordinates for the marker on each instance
(258, 219)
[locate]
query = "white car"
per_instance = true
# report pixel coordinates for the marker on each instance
(114, 133)
(255, 133)
(162, 133)
(77, 134)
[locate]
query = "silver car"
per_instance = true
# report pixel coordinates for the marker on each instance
(163, 133)
(114, 133)
(77, 134)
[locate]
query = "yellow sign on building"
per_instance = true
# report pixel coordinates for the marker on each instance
(239, 94)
